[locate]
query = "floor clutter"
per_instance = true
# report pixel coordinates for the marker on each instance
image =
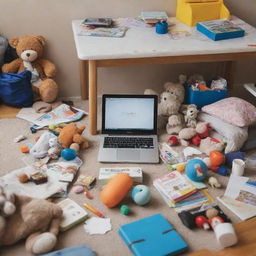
(201, 132)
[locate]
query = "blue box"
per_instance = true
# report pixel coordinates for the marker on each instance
(202, 98)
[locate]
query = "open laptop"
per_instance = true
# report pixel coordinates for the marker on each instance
(129, 129)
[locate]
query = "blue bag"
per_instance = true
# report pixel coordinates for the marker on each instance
(16, 89)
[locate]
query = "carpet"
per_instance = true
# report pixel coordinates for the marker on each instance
(109, 244)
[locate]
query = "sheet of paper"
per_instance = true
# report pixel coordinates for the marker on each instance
(96, 225)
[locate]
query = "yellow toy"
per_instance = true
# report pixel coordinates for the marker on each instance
(192, 11)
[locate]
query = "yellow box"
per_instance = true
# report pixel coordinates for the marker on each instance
(192, 11)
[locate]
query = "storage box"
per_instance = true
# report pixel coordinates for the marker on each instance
(202, 98)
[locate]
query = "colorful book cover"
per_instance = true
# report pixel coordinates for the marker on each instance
(219, 29)
(174, 186)
(152, 235)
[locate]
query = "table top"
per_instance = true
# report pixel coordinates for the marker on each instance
(140, 42)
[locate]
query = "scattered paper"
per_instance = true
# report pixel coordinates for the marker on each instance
(189, 151)
(96, 225)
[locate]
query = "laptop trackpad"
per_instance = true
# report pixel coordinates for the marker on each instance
(127, 154)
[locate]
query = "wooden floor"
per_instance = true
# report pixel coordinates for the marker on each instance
(246, 246)
(8, 112)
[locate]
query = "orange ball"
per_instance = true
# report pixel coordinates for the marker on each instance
(23, 178)
(24, 149)
(216, 158)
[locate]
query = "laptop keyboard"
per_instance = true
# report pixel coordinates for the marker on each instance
(128, 142)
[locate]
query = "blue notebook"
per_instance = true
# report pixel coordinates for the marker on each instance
(153, 235)
(219, 29)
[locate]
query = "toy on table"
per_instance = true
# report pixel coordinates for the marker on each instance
(213, 182)
(124, 209)
(68, 154)
(35, 220)
(141, 194)
(116, 189)
(196, 170)
(201, 221)
(162, 27)
(30, 50)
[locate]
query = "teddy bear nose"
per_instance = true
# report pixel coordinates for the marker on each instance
(28, 54)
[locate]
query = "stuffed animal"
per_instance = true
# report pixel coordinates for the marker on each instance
(23, 217)
(190, 114)
(175, 124)
(72, 134)
(30, 50)
(209, 144)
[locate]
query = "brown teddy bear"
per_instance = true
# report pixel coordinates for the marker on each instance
(71, 134)
(23, 217)
(30, 50)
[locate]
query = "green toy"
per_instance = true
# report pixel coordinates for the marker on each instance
(125, 210)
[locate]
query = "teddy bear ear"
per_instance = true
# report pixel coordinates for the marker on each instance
(41, 39)
(14, 42)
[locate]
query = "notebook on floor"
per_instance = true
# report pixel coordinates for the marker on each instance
(152, 235)
(129, 129)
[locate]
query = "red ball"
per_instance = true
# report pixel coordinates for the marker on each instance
(201, 221)
(196, 140)
(173, 141)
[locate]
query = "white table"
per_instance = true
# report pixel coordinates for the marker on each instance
(142, 45)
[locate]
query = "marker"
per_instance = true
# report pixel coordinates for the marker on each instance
(93, 210)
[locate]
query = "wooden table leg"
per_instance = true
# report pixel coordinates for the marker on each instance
(83, 78)
(93, 97)
(229, 73)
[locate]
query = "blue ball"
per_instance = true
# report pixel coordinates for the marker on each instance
(68, 154)
(141, 194)
(196, 170)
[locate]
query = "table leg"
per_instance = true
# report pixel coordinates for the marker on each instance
(229, 73)
(93, 97)
(83, 78)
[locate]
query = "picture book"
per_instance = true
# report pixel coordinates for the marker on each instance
(174, 186)
(73, 214)
(105, 174)
(152, 235)
(153, 17)
(219, 29)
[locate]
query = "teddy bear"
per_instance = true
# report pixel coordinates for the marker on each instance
(30, 50)
(23, 217)
(71, 134)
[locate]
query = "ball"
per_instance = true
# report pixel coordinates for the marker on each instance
(196, 170)
(141, 194)
(125, 210)
(216, 158)
(68, 154)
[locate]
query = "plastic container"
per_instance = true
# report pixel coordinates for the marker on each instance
(203, 98)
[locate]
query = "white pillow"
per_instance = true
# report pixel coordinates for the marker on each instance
(235, 136)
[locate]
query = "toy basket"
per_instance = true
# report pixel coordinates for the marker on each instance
(202, 98)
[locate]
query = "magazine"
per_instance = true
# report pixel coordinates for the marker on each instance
(97, 22)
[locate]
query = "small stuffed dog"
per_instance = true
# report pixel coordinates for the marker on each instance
(190, 115)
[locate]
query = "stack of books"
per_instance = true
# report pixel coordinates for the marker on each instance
(153, 17)
(174, 187)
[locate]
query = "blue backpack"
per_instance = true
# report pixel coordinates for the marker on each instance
(16, 89)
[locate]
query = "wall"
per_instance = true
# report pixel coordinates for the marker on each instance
(52, 18)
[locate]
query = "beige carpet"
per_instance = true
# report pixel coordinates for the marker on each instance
(109, 244)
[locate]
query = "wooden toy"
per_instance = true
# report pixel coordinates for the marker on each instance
(196, 170)
(201, 221)
(116, 189)
(141, 194)
(192, 11)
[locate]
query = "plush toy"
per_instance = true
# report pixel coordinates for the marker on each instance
(209, 144)
(23, 217)
(72, 134)
(175, 124)
(30, 50)
(190, 114)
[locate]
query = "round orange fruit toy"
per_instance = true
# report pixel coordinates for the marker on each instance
(116, 189)
(216, 158)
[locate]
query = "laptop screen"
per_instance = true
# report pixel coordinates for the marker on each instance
(129, 114)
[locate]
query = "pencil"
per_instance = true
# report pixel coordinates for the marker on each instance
(93, 210)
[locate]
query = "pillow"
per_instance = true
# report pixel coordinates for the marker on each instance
(235, 136)
(233, 110)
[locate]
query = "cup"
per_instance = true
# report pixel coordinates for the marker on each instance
(238, 167)
(225, 234)
(161, 27)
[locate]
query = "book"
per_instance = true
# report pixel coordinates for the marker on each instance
(153, 17)
(219, 29)
(152, 235)
(73, 214)
(105, 174)
(97, 22)
(174, 186)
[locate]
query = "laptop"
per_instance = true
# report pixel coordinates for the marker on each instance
(129, 129)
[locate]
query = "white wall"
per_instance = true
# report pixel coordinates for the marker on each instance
(52, 18)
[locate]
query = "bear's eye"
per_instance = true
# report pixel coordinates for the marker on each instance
(23, 50)
(172, 92)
